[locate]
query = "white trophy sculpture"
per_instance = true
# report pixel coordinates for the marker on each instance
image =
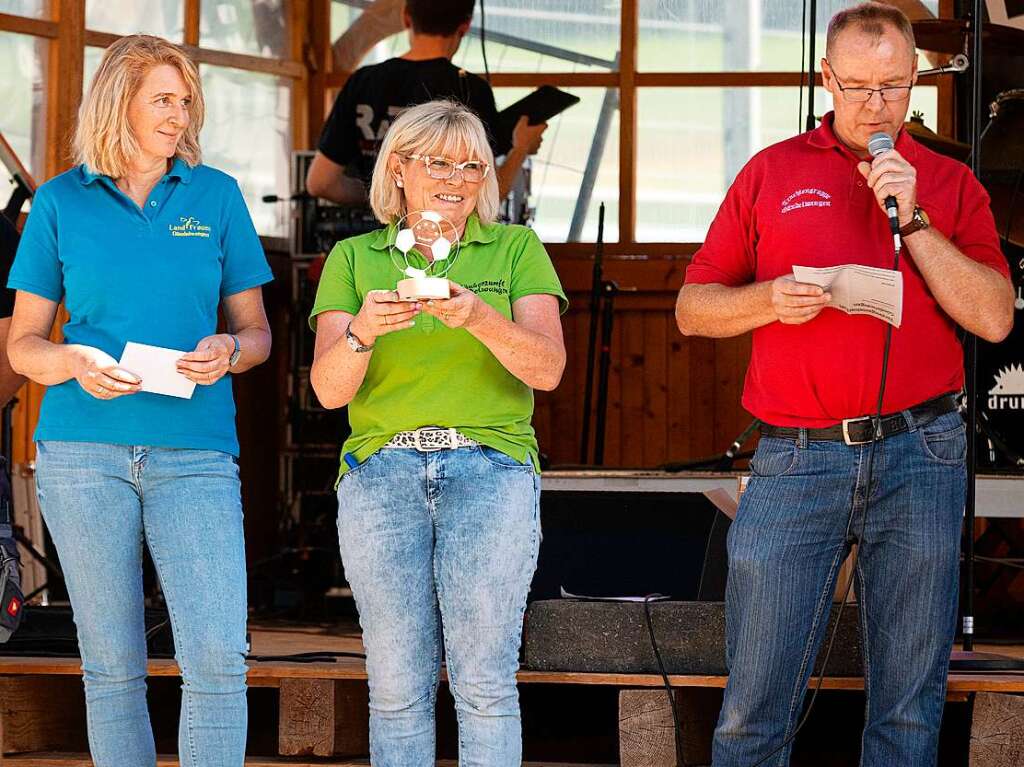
(435, 233)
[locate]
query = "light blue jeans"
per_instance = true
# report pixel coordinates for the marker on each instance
(448, 538)
(102, 503)
(803, 504)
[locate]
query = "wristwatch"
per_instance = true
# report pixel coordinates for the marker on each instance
(354, 343)
(233, 359)
(917, 223)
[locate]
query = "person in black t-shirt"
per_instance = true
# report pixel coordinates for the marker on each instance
(374, 95)
(10, 381)
(10, 595)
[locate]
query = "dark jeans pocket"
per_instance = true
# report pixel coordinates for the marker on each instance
(774, 457)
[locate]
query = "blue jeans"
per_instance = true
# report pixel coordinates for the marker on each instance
(802, 506)
(447, 538)
(101, 502)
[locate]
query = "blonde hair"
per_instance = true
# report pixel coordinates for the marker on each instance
(104, 140)
(435, 128)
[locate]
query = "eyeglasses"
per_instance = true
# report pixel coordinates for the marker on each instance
(473, 171)
(859, 95)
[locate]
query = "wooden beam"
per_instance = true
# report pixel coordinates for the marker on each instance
(191, 22)
(323, 717)
(318, 57)
(25, 26)
(279, 67)
(64, 91)
(298, 24)
(627, 119)
(997, 731)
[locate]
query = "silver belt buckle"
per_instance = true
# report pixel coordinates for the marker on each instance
(418, 442)
(846, 430)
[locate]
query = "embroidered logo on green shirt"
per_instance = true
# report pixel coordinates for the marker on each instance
(189, 227)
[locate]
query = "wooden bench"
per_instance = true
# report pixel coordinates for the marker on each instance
(321, 709)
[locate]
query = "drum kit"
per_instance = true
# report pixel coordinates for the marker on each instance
(1000, 377)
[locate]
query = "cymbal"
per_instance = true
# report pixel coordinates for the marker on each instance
(943, 145)
(951, 35)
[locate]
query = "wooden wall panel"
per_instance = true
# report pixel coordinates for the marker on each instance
(671, 398)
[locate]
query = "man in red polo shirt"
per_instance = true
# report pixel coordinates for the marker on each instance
(817, 200)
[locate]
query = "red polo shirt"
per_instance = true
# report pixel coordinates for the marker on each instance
(803, 202)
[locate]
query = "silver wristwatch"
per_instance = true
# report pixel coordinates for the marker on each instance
(354, 343)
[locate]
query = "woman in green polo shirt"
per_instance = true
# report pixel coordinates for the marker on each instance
(438, 500)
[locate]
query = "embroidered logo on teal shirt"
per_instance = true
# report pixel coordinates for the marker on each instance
(189, 227)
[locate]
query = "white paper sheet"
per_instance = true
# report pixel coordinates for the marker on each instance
(587, 598)
(156, 366)
(859, 289)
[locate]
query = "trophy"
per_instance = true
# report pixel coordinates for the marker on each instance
(435, 233)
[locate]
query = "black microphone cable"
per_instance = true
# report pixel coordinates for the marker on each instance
(876, 434)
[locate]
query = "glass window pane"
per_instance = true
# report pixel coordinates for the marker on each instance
(23, 94)
(521, 36)
(93, 56)
(560, 178)
(33, 8)
(712, 36)
(545, 36)
(689, 150)
(128, 17)
(248, 135)
(342, 16)
(256, 27)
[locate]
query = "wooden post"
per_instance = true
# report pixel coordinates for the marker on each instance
(997, 730)
(627, 120)
(323, 717)
(647, 735)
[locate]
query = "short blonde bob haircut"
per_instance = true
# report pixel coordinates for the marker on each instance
(104, 141)
(437, 128)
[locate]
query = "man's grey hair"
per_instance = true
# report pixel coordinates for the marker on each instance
(871, 19)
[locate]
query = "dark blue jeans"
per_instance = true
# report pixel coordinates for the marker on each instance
(804, 502)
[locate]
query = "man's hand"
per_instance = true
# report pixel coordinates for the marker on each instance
(890, 175)
(526, 137)
(795, 303)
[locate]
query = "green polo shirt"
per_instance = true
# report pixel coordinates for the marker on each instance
(430, 374)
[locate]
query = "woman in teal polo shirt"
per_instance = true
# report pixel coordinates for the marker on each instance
(438, 502)
(144, 244)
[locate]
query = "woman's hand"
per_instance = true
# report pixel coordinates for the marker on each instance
(99, 375)
(383, 312)
(210, 360)
(462, 310)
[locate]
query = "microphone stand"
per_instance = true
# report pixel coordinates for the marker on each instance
(596, 286)
(969, 660)
(812, 24)
(609, 289)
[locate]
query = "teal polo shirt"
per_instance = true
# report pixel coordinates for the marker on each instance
(154, 275)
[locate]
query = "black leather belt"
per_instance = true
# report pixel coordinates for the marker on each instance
(858, 431)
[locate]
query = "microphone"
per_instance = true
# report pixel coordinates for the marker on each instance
(880, 143)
